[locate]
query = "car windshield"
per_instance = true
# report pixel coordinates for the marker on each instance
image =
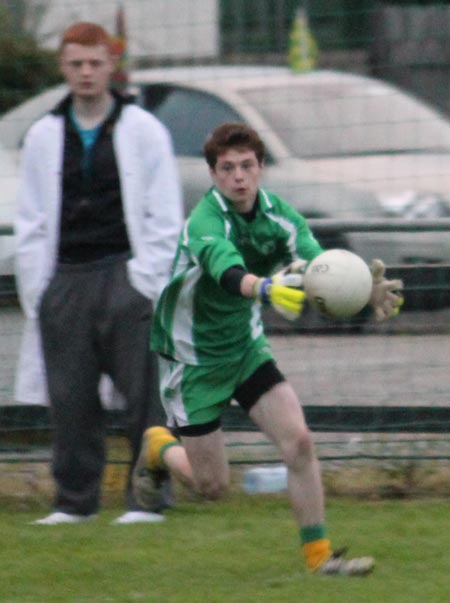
(340, 120)
(190, 115)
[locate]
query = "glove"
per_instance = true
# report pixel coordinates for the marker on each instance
(297, 267)
(386, 298)
(278, 291)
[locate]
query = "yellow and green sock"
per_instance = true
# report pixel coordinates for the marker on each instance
(315, 545)
(160, 440)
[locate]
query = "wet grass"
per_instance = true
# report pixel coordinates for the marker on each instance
(244, 549)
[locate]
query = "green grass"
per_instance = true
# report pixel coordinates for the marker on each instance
(242, 550)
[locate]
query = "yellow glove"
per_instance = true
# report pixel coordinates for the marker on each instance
(386, 298)
(278, 291)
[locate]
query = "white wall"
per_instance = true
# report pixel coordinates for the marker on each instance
(158, 29)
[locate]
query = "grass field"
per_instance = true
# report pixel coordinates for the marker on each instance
(244, 549)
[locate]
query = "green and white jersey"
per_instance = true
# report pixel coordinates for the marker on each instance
(197, 321)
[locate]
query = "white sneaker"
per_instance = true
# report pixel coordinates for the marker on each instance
(59, 517)
(337, 565)
(139, 517)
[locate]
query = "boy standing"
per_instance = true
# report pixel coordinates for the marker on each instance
(98, 219)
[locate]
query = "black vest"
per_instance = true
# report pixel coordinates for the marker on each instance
(92, 218)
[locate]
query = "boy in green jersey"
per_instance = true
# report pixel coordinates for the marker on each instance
(209, 333)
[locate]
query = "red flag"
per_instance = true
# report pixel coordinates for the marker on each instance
(119, 79)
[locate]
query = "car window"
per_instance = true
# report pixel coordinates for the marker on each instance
(339, 120)
(189, 114)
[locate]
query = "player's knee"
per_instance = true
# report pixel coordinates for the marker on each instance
(212, 489)
(299, 448)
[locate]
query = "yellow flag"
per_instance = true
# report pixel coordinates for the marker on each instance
(303, 49)
(119, 79)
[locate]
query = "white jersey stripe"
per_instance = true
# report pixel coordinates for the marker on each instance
(290, 228)
(183, 320)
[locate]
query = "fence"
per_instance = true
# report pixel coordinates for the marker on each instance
(411, 393)
(404, 42)
(412, 397)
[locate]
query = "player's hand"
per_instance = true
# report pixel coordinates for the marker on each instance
(297, 267)
(386, 298)
(279, 292)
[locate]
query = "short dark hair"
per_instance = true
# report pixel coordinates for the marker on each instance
(86, 34)
(232, 135)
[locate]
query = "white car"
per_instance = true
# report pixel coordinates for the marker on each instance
(339, 145)
(8, 190)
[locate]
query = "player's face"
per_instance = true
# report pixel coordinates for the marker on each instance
(236, 175)
(87, 69)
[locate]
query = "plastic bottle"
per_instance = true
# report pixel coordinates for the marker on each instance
(265, 479)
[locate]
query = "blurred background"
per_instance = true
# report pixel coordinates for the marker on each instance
(352, 99)
(403, 41)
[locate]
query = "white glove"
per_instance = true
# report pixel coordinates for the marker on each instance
(295, 268)
(386, 298)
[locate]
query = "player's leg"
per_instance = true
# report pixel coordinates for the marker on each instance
(194, 398)
(199, 462)
(273, 405)
(279, 415)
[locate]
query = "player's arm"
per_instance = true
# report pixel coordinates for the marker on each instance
(280, 291)
(300, 241)
(300, 249)
(219, 257)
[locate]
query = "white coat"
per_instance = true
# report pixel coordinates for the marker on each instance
(151, 197)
